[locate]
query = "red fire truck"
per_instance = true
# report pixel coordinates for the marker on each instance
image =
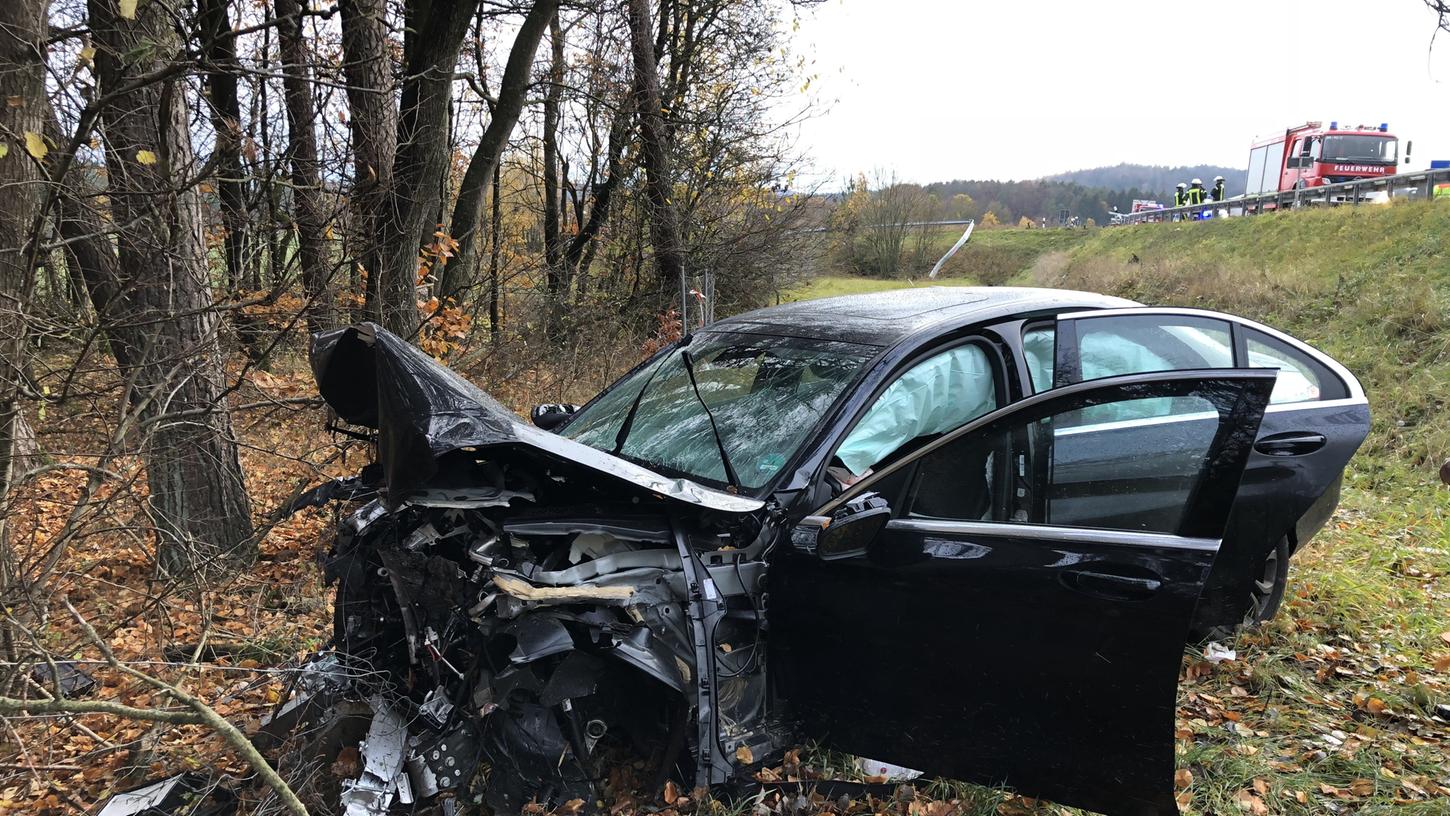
(1312, 155)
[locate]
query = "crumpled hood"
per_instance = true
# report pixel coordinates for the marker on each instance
(422, 410)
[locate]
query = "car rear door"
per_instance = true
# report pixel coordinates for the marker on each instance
(1036, 644)
(1316, 419)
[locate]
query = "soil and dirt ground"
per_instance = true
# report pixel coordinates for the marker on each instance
(1330, 708)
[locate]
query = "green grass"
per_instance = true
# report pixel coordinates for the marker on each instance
(994, 256)
(1327, 708)
(991, 257)
(833, 285)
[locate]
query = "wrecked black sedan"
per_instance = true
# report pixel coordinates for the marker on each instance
(961, 530)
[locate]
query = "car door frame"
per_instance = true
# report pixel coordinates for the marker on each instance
(1197, 533)
(890, 365)
(1306, 487)
(1355, 392)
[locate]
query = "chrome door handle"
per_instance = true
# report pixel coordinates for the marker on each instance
(1290, 443)
(1109, 585)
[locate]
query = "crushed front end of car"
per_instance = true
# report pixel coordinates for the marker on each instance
(516, 611)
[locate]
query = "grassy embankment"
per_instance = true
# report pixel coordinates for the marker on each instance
(990, 257)
(1328, 708)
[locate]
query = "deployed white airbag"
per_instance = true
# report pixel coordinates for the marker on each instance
(939, 394)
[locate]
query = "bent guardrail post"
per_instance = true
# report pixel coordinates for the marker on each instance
(958, 245)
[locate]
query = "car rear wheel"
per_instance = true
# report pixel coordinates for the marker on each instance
(1270, 581)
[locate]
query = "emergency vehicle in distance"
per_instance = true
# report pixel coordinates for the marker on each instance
(1312, 155)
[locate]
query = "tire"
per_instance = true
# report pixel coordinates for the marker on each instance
(1271, 579)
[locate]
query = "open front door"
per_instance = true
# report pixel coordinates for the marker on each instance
(1036, 644)
(1316, 419)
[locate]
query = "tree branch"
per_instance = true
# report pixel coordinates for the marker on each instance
(203, 714)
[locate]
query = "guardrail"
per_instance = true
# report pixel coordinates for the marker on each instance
(960, 222)
(1419, 185)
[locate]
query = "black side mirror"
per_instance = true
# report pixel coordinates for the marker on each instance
(848, 532)
(550, 415)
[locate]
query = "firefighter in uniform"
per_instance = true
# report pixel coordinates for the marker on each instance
(1180, 195)
(1219, 194)
(1196, 193)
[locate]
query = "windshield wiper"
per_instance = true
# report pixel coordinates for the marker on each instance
(624, 427)
(730, 477)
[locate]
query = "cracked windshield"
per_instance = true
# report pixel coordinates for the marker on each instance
(764, 393)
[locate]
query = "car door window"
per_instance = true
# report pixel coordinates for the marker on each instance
(1073, 469)
(1126, 344)
(1301, 377)
(1038, 348)
(1116, 345)
(1138, 344)
(1129, 344)
(939, 394)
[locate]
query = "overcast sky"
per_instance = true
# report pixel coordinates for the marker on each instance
(942, 89)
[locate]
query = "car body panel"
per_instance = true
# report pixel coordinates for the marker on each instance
(1283, 495)
(1015, 648)
(1282, 482)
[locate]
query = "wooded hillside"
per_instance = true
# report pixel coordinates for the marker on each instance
(1159, 180)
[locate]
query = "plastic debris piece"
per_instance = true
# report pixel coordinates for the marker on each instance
(885, 771)
(72, 680)
(1216, 652)
(186, 794)
(383, 751)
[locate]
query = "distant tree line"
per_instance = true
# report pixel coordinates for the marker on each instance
(1158, 179)
(1082, 194)
(880, 226)
(1009, 202)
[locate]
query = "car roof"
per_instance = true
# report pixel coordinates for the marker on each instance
(883, 318)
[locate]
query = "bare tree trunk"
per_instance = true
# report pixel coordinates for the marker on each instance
(468, 209)
(220, 48)
(434, 37)
(579, 255)
(23, 32)
(373, 123)
(88, 250)
(656, 148)
(455, 279)
(307, 204)
(495, 247)
(89, 253)
(556, 279)
(198, 499)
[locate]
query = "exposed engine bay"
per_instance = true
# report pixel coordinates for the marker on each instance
(506, 619)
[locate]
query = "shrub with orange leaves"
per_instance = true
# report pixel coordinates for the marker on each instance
(435, 254)
(446, 328)
(670, 329)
